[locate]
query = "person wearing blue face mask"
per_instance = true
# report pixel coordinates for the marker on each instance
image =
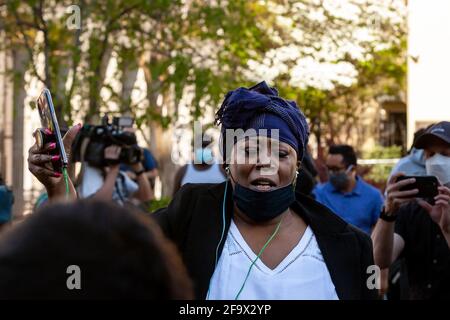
(203, 169)
(346, 193)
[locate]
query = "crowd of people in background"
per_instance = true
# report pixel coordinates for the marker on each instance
(230, 231)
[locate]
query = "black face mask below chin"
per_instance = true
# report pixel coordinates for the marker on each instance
(263, 206)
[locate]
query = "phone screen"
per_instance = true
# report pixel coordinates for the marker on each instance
(50, 122)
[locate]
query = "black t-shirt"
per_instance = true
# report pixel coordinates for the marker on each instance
(426, 253)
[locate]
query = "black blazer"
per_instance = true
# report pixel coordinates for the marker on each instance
(193, 220)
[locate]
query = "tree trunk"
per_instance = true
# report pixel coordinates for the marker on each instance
(96, 84)
(6, 115)
(20, 62)
(60, 92)
(161, 147)
(160, 143)
(128, 79)
(320, 161)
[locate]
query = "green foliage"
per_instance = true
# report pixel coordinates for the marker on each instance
(379, 173)
(380, 152)
(158, 204)
(174, 33)
(204, 45)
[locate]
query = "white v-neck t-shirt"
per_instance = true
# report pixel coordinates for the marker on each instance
(302, 275)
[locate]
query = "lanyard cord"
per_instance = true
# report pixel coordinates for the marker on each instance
(259, 255)
(66, 180)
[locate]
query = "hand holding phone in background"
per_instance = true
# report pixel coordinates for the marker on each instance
(394, 196)
(440, 210)
(427, 186)
(402, 189)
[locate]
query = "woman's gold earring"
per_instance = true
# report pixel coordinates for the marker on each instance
(294, 182)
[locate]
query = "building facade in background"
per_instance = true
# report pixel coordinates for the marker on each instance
(428, 63)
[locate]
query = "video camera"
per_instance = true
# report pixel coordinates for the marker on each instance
(91, 141)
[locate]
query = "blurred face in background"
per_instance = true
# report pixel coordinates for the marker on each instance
(339, 173)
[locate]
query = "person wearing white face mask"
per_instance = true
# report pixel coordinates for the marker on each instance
(439, 165)
(414, 228)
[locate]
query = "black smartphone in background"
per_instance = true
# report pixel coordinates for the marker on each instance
(50, 122)
(427, 186)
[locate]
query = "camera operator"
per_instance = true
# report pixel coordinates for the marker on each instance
(110, 183)
(148, 162)
(102, 149)
(421, 231)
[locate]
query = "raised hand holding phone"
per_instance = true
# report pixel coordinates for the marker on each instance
(48, 156)
(427, 186)
(402, 189)
(50, 131)
(395, 196)
(39, 162)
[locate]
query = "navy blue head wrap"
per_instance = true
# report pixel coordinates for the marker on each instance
(260, 107)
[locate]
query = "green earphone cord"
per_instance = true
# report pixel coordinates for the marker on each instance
(259, 255)
(66, 180)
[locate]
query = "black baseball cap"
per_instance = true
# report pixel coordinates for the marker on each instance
(440, 130)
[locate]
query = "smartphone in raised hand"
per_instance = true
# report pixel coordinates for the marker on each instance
(427, 186)
(50, 131)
